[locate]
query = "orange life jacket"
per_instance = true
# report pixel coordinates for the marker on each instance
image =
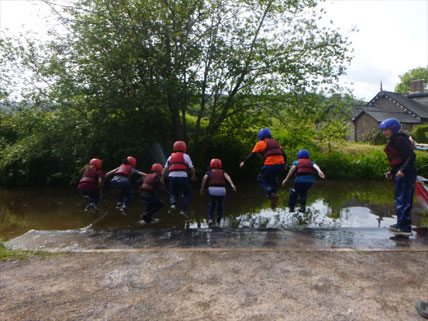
(149, 182)
(124, 170)
(90, 176)
(177, 163)
(272, 148)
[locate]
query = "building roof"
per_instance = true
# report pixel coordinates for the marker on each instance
(357, 110)
(381, 115)
(417, 95)
(415, 108)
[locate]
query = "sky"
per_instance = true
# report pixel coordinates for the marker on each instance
(392, 36)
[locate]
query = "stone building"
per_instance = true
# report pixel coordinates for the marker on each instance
(410, 110)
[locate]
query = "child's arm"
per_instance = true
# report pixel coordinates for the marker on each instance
(227, 177)
(100, 185)
(161, 184)
(140, 173)
(249, 157)
(193, 172)
(320, 173)
(108, 174)
(290, 172)
(204, 181)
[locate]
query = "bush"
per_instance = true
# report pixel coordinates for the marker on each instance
(374, 137)
(420, 134)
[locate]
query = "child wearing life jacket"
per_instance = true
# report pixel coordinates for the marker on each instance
(177, 165)
(274, 164)
(216, 178)
(90, 184)
(401, 158)
(305, 171)
(121, 182)
(152, 183)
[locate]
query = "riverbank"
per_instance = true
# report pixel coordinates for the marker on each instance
(221, 274)
(212, 284)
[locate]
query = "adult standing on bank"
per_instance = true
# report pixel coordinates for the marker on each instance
(401, 158)
(274, 164)
(177, 166)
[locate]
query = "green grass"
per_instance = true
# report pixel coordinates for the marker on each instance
(7, 254)
(352, 148)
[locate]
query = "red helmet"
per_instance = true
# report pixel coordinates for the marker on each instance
(96, 162)
(215, 163)
(179, 146)
(132, 161)
(156, 167)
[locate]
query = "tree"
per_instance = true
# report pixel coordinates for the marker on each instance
(132, 72)
(218, 54)
(403, 86)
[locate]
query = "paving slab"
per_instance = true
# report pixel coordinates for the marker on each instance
(303, 239)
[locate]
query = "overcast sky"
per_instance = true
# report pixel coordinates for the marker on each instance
(392, 37)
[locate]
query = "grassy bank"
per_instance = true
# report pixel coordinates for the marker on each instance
(7, 254)
(356, 160)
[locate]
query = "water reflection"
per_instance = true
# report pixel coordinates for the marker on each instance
(330, 204)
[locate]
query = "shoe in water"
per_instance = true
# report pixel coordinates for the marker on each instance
(403, 232)
(422, 308)
(183, 214)
(210, 222)
(274, 202)
(292, 209)
(172, 210)
(118, 205)
(147, 222)
(92, 207)
(124, 210)
(394, 228)
(302, 210)
(154, 221)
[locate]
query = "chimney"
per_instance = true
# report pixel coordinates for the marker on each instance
(417, 86)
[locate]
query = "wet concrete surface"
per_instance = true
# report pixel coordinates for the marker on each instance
(303, 239)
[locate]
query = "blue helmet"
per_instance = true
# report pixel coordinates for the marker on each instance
(264, 132)
(391, 123)
(303, 153)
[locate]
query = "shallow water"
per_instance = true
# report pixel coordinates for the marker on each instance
(330, 204)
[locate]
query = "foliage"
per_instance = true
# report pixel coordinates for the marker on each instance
(344, 166)
(374, 137)
(403, 86)
(129, 74)
(420, 134)
(7, 254)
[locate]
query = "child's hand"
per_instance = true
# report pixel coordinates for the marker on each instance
(242, 164)
(321, 174)
(202, 192)
(234, 188)
(284, 182)
(399, 174)
(388, 175)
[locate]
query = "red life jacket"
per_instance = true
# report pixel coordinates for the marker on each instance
(124, 170)
(217, 178)
(149, 182)
(177, 163)
(90, 176)
(395, 158)
(272, 148)
(304, 167)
